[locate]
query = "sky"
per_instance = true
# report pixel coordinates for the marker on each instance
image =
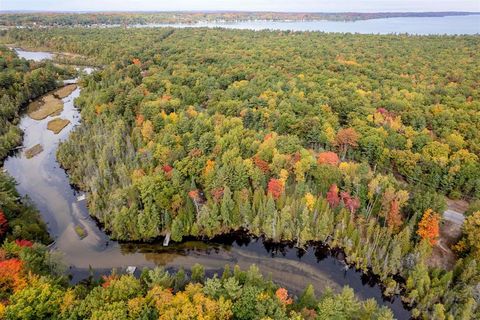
(242, 5)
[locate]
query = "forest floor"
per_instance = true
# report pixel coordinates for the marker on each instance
(450, 232)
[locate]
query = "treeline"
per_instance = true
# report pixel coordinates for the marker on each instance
(32, 287)
(33, 283)
(20, 82)
(296, 136)
(138, 18)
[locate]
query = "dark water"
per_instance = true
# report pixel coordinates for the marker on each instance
(42, 179)
(451, 25)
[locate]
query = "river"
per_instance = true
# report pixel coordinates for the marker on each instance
(43, 180)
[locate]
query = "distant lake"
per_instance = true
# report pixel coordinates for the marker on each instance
(34, 55)
(451, 25)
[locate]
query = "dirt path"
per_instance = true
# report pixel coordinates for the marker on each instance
(450, 232)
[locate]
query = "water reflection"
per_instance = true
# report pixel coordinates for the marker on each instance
(34, 55)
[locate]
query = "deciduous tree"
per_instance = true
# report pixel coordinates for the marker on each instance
(428, 227)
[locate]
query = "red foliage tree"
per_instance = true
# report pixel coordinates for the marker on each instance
(217, 194)
(275, 188)
(394, 218)
(3, 223)
(332, 196)
(261, 164)
(328, 157)
(167, 168)
(24, 243)
(352, 204)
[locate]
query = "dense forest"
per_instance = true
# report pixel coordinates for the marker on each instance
(353, 140)
(33, 282)
(295, 136)
(142, 18)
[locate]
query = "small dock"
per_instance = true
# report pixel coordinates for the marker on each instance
(131, 269)
(166, 240)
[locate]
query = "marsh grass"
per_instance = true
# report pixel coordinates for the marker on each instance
(33, 151)
(50, 104)
(56, 125)
(80, 231)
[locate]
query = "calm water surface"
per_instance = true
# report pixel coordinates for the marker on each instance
(47, 185)
(34, 55)
(450, 25)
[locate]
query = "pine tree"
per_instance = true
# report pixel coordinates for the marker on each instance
(308, 298)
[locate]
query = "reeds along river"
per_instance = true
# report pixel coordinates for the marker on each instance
(47, 185)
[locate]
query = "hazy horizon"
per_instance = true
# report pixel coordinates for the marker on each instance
(320, 6)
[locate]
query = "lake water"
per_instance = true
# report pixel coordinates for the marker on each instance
(43, 180)
(34, 55)
(451, 25)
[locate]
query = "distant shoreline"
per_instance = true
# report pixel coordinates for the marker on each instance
(68, 18)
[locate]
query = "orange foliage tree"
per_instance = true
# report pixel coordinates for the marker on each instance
(136, 62)
(394, 217)
(107, 280)
(261, 164)
(195, 196)
(346, 138)
(11, 277)
(332, 196)
(275, 188)
(429, 226)
(282, 295)
(328, 157)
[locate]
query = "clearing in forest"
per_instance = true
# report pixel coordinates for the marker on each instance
(450, 233)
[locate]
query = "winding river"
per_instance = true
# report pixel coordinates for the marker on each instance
(47, 185)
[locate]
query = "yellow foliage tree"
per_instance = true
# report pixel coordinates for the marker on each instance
(190, 304)
(310, 201)
(147, 130)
